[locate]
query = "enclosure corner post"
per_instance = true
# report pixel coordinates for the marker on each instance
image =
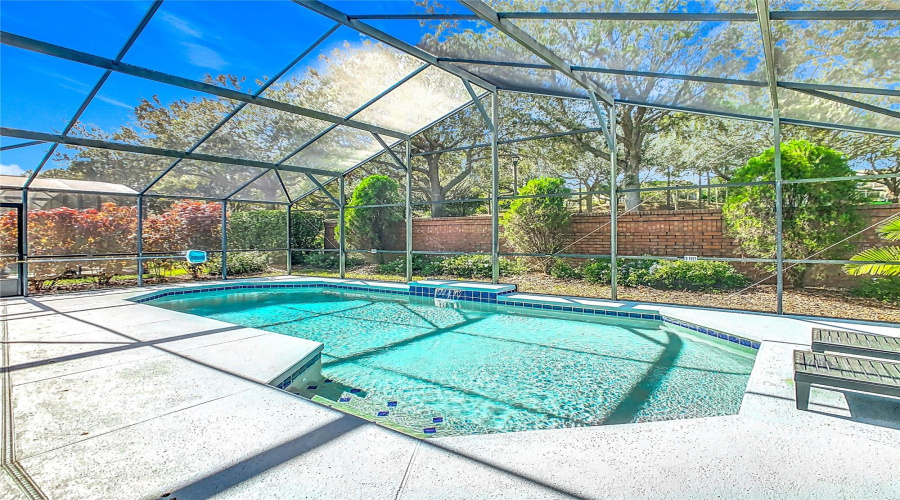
(140, 240)
(495, 191)
(224, 239)
(779, 215)
(24, 239)
(613, 204)
(409, 220)
(287, 260)
(342, 251)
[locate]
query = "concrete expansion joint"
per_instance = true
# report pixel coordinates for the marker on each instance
(412, 459)
(8, 451)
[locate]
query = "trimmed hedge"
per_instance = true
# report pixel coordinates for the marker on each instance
(250, 229)
(702, 275)
(460, 266)
(239, 263)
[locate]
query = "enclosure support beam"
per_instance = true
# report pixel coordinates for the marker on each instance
(390, 151)
(342, 250)
(149, 150)
(288, 259)
(613, 203)
(24, 229)
(381, 36)
(224, 240)
(489, 15)
(322, 188)
(495, 190)
(140, 240)
(779, 215)
(851, 102)
(409, 216)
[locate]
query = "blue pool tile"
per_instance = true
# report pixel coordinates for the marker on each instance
(745, 342)
(328, 381)
(355, 391)
(312, 387)
(391, 404)
(437, 420)
(429, 430)
(382, 413)
(732, 338)
(722, 336)
(345, 399)
(754, 345)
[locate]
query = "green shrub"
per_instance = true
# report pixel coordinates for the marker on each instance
(239, 263)
(324, 260)
(266, 229)
(479, 266)
(424, 265)
(328, 260)
(883, 289)
(666, 274)
(539, 225)
(702, 275)
(563, 270)
(631, 272)
(373, 227)
(817, 216)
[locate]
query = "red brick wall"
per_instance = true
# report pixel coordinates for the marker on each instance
(661, 233)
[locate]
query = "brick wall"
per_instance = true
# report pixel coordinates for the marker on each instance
(661, 233)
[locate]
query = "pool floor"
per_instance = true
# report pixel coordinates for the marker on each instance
(453, 368)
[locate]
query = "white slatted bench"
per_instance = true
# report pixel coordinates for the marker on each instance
(856, 343)
(843, 372)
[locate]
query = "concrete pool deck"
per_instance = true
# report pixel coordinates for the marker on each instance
(107, 398)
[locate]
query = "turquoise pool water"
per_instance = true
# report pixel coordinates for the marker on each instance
(462, 368)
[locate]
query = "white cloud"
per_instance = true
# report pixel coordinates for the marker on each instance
(114, 102)
(180, 25)
(12, 169)
(204, 57)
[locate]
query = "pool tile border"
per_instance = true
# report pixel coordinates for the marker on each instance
(734, 339)
(496, 298)
(290, 379)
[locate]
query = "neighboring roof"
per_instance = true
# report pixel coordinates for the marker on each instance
(50, 184)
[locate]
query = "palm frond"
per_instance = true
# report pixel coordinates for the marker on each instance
(891, 230)
(888, 258)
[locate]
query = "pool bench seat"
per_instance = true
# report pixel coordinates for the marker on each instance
(843, 372)
(856, 343)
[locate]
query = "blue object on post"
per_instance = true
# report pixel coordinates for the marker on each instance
(195, 256)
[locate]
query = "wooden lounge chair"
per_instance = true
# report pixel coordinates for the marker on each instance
(856, 343)
(843, 372)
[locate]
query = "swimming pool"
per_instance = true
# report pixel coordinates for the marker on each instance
(440, 367)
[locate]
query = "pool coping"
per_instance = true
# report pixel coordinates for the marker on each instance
(504, 295)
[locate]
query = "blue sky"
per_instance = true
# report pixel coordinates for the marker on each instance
(189, 39)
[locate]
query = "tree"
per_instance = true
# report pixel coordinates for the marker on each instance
(539, 225)
(371, 227)
(891, 232)
(817, 217)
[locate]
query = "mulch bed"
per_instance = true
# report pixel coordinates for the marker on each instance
(825, 302)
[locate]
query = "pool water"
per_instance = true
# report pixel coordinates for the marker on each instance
(449, 368)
